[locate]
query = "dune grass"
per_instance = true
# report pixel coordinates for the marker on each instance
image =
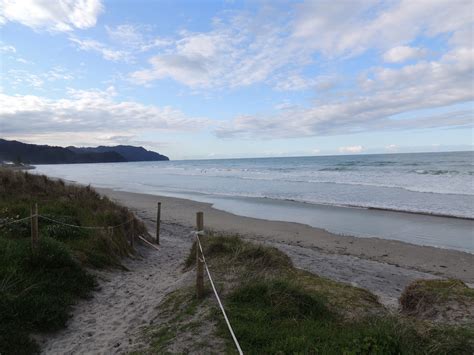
(275, 308)
(448, 300)
(37, 287)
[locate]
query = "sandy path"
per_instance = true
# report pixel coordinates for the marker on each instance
(108, 322)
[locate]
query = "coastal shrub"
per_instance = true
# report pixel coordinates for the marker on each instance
(237, 251)
(38, 287)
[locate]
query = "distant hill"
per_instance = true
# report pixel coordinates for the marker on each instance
(130, 153)
(44, 154)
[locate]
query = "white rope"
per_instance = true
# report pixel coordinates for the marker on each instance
(15, 221)
(239, 349)
(147, 242)
(84, 227)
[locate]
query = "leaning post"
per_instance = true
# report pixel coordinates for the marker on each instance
(34, 227)
(199, 261)
(158, 222)
(132, 234)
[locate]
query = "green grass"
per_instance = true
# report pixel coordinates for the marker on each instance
(38, 287)
(275, 308)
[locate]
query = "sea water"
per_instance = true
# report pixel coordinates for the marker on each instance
(429, 183)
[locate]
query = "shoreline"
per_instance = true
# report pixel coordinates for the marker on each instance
(436, 261)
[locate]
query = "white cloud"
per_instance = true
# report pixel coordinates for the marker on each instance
(375, 106)
(5, 48)
(232, 54)
(87, 115)
(126, 34)
(136, 37)
(353, 149)
(52, 15)
(19, 77)
(16, 77)
(243, 49)
(96, 46)
(351, 27)
(403, 53)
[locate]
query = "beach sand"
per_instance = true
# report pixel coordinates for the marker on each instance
(391, 264)
(111, 321)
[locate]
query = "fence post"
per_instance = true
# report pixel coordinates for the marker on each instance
(132, 236)
(34, 226)
(199, 263)
(158, 222)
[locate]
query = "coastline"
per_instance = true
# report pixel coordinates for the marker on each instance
(425, 259)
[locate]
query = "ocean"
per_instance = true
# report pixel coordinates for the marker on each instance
(438, 184)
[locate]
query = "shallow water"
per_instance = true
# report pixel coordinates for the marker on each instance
(431, 183)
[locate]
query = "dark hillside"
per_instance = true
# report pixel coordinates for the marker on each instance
(130, 153)
(19, 152)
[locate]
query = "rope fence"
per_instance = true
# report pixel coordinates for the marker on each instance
(14, 221)
(201, 260)
(85, 227)
(34, 216)
(62, 223)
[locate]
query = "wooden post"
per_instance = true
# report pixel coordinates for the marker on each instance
(132, 236)
(158, 222)
(34, 226)
(199, 263)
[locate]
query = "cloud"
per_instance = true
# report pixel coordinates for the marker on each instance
(375, 105)
(87, 114)
(392, 148)
(349, 28)
(51, 15)
(234, 53)
(136, 37)
(17, 77)
(353, 149)
(242, 49)
(96, 46)
(5, 48)
(403, 53)
(126, 34)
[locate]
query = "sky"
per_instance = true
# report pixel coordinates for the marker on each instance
(229, 79)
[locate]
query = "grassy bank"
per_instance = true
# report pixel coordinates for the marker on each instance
(276, 308)
(38, 287)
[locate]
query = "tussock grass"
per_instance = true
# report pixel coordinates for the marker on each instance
(442, 300)
(275, 308)
(38, 287)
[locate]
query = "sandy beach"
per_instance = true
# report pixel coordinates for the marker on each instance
(391, 264)
(126, 301)
(442, 262)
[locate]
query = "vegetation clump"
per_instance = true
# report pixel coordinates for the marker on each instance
(37, 287)
(447, 301)
(276, 308)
